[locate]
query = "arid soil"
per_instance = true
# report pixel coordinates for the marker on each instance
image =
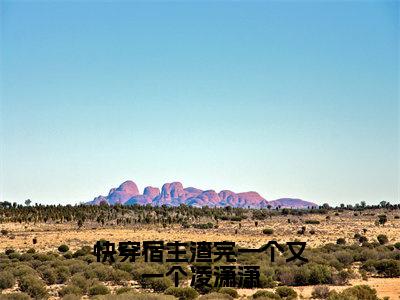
(49, 236)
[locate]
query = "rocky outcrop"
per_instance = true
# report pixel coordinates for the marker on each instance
(174, 194)
(123, 193)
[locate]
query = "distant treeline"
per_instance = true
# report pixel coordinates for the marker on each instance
(136, 214)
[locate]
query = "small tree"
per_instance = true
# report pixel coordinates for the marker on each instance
(268, 231)
(63, 248)
(341, 241)
(382, 239)
(382, 219)
(80, 223)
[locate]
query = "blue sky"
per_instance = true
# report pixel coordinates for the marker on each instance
(290, 99)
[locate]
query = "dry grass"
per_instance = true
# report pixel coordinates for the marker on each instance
(50, 236)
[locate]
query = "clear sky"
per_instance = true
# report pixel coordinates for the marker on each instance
(290, 99)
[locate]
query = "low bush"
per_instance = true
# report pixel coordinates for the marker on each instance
(267, 282)
(7, 280)
(268, 231)
(356, 292)
(216, 296)
(156, 284)
(388, 267)
(80, 281)
(63, 274)
(341, 241)
(184, 293)
(230, 291)
(124, 289)
(48, 274)
(286, 292)
(15, 296)
(70, 290)
(98, 289)
(320, 292)
(316, 222)
(382, 239)
(265, 295)
(120, 276)
(63, 248)
(33, 286)
(208, 225)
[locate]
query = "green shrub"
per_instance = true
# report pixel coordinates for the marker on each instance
(208, 225)
(79, 252)
(70, 290)
(341, 278)
(33, 287)
(286, 292)
(7, 280)
(397, 245)
(80, 281)
(101, 271)
(382, 219)
(268, 231)
(362, 292)
(63, 248)
(77, 266)
(320, 292)
(26, 257)
(215, 296)
(265, 295)
(9, 251)
(119, 276)
(341, 241)
(15, 296)
(364, 275)
(124, 289)
(63, 274)
(320, 274)
(230, 291)
(388, 267)
(14, 255)
(98, 289)
(267, 281)
(184, 293)
(382, 239)
(23, 270)
(312, 222)
(344, 257)
(49, 275)
(156, 284)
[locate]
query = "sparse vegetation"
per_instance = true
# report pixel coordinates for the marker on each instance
(81, 275)
(268, 231)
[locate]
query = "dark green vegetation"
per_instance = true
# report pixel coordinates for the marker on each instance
(184, 215)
